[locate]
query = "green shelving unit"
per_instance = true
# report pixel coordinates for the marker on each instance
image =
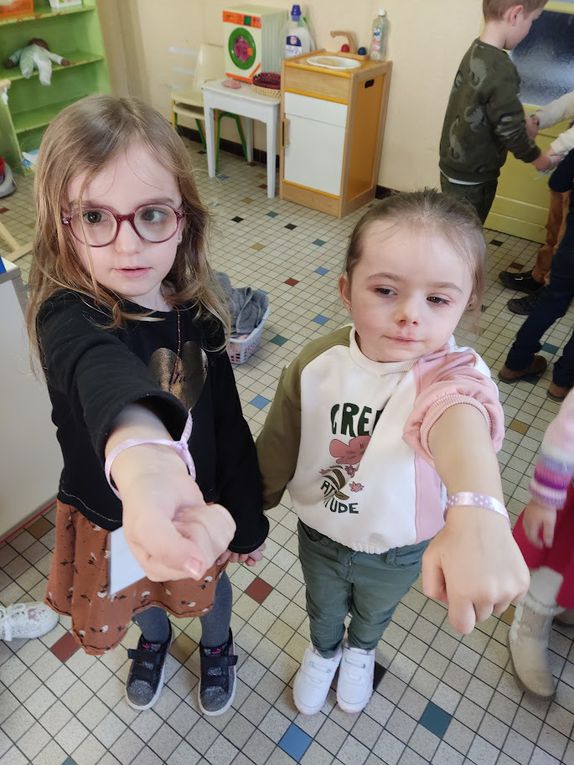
(28, 107)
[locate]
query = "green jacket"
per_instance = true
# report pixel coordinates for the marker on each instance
(484, 118)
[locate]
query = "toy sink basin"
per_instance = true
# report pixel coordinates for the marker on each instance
(334, 62)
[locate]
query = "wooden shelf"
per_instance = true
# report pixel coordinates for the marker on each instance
(41, 117)
(43, 10)
(76, 57)
(74, 33)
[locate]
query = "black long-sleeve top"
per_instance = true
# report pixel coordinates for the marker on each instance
(93, 372)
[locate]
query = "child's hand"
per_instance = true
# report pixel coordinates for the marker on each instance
(547, 161)
(171, 531)
(250, 559)
(532, 125)
(474, 566)
(536, 519)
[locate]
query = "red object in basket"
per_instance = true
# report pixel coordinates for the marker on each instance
(271, 80)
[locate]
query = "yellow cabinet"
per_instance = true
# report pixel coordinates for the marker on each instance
(332, 123)
(522, 197)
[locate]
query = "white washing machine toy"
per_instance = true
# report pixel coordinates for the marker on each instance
(253, 37)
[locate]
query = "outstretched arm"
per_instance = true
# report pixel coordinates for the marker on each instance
(473, 564)
(171, 531)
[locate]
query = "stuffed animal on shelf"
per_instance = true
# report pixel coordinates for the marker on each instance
(36, 55)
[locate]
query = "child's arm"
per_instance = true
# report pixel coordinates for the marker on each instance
(506, 115)
(473, 564)
(171, 531)
(278, 442)
(556, 111)
(552, 476)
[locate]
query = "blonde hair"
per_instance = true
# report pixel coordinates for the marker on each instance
(454, 220)
(495, 9)
(80, 141)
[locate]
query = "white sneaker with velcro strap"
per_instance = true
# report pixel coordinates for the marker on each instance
(355, 684)
(313, 680)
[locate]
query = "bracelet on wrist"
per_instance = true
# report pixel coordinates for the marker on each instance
(180, 447)
(472, 499)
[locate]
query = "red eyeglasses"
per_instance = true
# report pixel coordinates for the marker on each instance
(99, 226)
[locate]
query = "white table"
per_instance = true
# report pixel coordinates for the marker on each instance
(245, 102)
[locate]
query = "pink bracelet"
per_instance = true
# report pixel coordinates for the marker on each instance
(470, 499)
(181, 447)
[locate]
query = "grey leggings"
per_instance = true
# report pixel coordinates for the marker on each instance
(154, 622)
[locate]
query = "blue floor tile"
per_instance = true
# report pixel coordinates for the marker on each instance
(321, 271)
(549, 348)
(320, 319)
(260, 401)
(295, 742)
(435, 719)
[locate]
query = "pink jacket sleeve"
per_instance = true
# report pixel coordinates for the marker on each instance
(555, 464)
(444, 380)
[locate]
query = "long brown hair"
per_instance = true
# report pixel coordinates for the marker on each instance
(80, 141)
(454, 220)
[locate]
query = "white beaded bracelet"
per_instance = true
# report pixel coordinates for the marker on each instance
(470, 499)
(181, 447)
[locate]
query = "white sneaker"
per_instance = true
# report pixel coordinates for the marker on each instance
(355, 684)
(313, 680)
(26, 620)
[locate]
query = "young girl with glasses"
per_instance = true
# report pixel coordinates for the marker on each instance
(131, 335)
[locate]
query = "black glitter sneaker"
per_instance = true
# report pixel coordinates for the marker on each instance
(217, 683)
(145, 678)
(516, 280)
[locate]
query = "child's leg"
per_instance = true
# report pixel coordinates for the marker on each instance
(217, 653)
(379, 583)
(154, 624)
(325, 564)
(553, 304)
(530, 631)
(479, 195)
(145, 678)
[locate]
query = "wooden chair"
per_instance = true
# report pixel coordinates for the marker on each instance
(16, 250)
(210, 66)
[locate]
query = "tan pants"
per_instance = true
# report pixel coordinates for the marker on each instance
(555, 225)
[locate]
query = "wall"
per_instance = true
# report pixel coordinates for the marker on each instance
(150, 47)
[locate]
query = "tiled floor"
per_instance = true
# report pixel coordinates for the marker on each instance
(442, 699)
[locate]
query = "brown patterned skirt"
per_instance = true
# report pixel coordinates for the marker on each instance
(78, 586)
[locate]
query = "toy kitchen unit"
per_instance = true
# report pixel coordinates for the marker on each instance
(333, 109)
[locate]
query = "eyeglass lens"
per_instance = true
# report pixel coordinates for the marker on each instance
(98, 227)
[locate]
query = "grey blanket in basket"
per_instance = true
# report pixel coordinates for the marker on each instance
(246, 305)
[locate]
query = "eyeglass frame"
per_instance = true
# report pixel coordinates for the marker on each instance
(179, 214)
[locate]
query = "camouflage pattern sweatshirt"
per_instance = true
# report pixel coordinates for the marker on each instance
(484, 118)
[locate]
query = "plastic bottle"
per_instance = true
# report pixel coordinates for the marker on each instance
(297, 36)
(378, 47)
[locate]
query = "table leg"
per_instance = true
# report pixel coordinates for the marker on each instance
(271, 155)
(210, 139)
(248, 130)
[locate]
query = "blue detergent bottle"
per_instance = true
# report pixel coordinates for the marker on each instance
(298, 38)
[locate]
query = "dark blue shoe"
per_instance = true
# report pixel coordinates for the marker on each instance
(217, 682)
(145, 678)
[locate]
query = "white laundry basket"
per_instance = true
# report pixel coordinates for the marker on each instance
(240, 350)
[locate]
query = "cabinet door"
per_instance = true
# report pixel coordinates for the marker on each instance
(315, 142)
